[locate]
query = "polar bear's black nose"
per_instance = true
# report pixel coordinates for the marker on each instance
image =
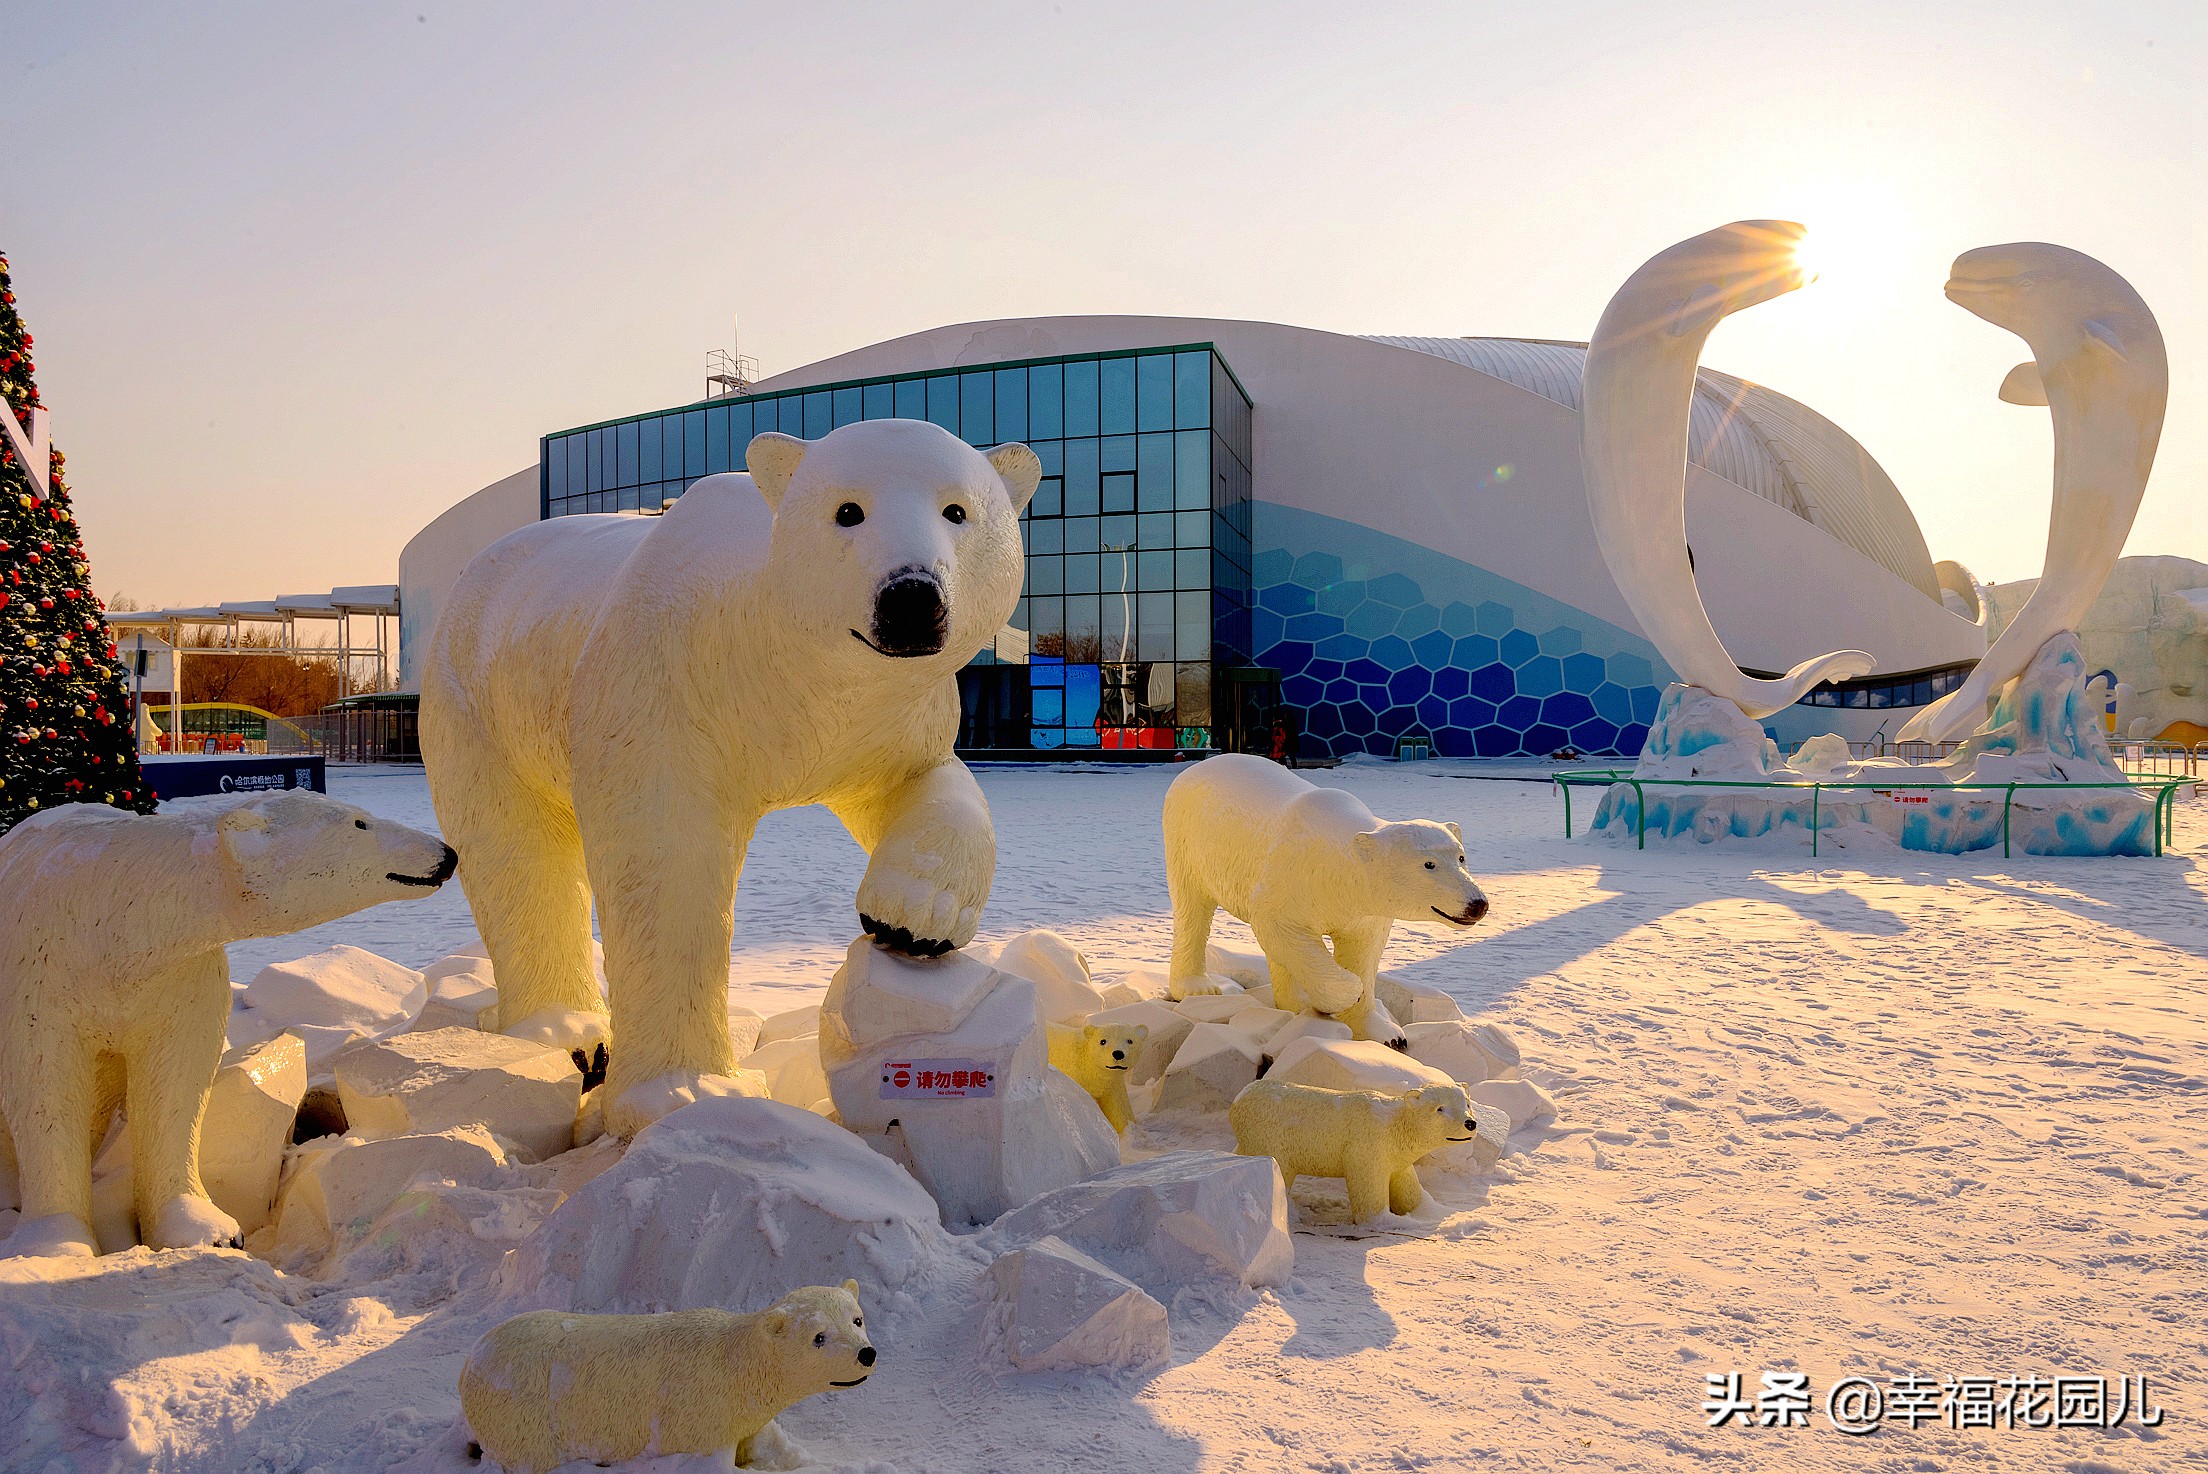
(1477, 909)
(866, 1356)
(1119, 1054)
(910, 617)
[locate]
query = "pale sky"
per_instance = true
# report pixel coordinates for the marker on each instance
(303, 276)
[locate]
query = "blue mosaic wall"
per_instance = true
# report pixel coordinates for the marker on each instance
(1374, 635)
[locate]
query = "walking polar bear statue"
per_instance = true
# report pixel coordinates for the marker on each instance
(611, 703)
(1305, 866)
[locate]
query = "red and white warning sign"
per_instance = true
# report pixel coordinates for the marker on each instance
(937, 1079)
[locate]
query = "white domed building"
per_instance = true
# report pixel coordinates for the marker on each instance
(1372, 540)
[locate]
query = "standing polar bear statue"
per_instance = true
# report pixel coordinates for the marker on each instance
(611, 703)
(1305, 866)
(114, 989)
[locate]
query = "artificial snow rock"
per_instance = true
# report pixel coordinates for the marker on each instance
(1414, 1003)
(414, 1083)
(744, 1028)
(1305, 1026)
(1058, 1310)
(474, 958)
(338, 1189)
(1167, 1029)
(1209, 1069)
(1183, 1218)
(1064, 992)
(1454, 1047)
(248, 1124)
(1239, 964)
(342, 988)
(1524, 1101)
(1260, 1022)
(732, 1202)
(791, 1023)
(458, 999)
(892, 1023)
(1336, 1064)
(1212, 1008)
(1119, 995)
(792, 1068)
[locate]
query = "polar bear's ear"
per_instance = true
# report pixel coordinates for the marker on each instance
(1139, 1032)
(772, 459)
(242, 821)
(1021, 471)
(851, 1287)
(1367, 844)
(1455, 832)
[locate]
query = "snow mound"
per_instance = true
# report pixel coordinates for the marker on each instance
(1183, 1218)
(733, 1202)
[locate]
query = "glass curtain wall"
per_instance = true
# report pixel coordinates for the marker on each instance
(1138, 539)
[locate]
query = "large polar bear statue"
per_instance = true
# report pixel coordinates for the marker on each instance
(611, 703)
(114, 989)
(1305, 866)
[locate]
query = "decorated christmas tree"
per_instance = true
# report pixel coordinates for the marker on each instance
(66, 728)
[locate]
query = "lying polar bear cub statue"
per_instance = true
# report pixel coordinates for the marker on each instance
(551, 1387)
(113, 982)
(1304, 866)
(611, 703)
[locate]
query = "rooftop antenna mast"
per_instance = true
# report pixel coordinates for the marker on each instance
(727, 371)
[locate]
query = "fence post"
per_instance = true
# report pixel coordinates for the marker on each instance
(1640, 817)
(2008, 799)
(1816, 795)
(1567, 807)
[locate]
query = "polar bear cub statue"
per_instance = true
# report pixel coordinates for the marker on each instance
(1098, 1057)
(610, 704)
(1304, 866)
(551, 1387)
(1370, 1140)
(114, 986)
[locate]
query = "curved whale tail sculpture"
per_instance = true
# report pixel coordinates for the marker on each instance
(2099, 366)
(1636, 391)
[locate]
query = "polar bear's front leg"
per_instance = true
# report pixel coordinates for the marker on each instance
(933, 856)
(1305, 974)
(169, 1065)
(663, 866)
(47, 1092)
(1357, 950)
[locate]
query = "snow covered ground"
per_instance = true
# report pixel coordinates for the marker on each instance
(1877, 1114)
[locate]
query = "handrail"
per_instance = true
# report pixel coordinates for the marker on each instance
(2165, 796)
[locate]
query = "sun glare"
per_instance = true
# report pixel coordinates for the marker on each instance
(1859, 231)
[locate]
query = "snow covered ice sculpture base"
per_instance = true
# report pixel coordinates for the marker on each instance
(1303, 866)
(610, 705)
(2043, 729)
(97, 996)
(985, 1148)
(551, 1387)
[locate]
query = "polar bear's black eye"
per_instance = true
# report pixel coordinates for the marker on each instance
(820, 1339)
(849, 515)
(954, 513)
(1429, 864)
(360, 823)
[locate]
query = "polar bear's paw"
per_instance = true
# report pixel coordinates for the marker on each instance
(193, 1223)
(771, 1448)
(646, 1101)
(1371, 1020)
(57, 1236)
(1337, 991)
(569, 1029)
(1202, 985)
(920, 898)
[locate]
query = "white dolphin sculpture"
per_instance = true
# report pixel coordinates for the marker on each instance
(1635, 393)
(2099, 367)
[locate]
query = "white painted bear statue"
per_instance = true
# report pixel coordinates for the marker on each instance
(114, 988)
(1098, 1057)
(551, 1387)
(1370, 1140)
(611, 703)
(1304, 866)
